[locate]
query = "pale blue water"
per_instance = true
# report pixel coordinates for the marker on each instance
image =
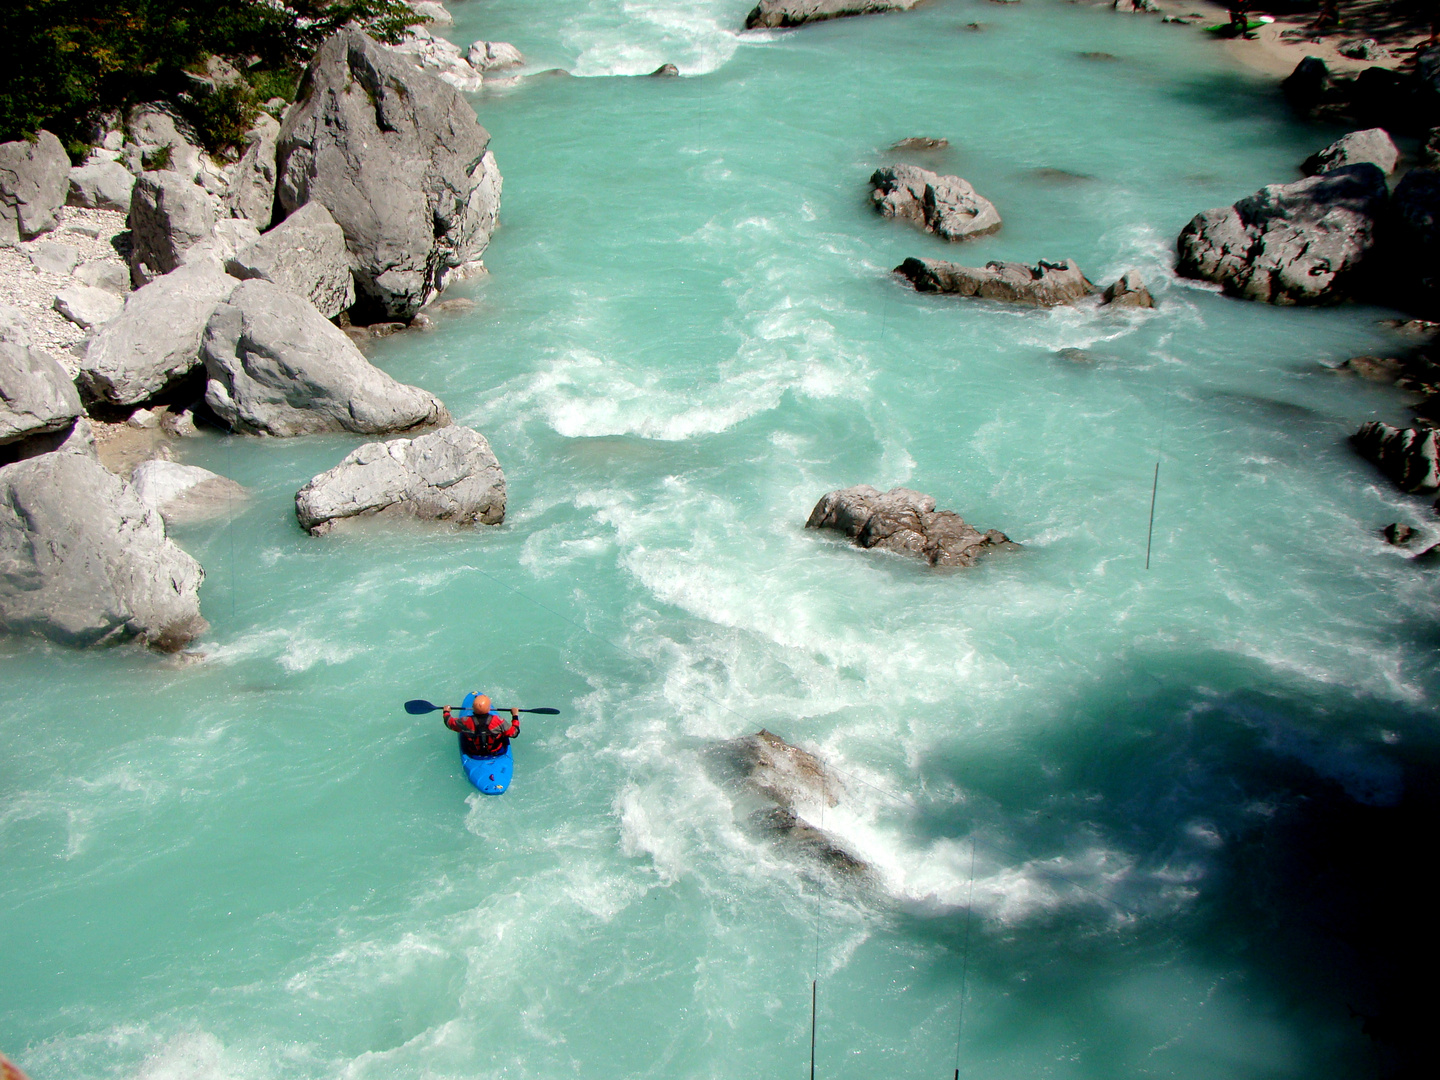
(259, 866)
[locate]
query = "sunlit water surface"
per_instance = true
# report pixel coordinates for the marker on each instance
(259, 866)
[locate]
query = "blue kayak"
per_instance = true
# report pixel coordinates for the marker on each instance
(490, 775)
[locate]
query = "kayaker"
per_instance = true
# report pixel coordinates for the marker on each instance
(483, 734)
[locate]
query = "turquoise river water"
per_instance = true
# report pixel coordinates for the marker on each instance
(1120, 822)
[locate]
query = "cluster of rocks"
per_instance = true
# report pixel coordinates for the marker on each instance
(905, 522)
(944, 205)
(1407, 102)
(777, 779)
(374, 189)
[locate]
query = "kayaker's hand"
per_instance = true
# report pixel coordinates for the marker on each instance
(515, 715)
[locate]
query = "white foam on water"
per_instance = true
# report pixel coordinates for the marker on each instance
(696, 36)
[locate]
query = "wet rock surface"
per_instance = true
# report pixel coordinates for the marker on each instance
(448, 475)
(1044, 285)
(781, 13)
(185, 493)
(1408, 456)
(904, 522)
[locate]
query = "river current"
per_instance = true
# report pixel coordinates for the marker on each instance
(1119, 821)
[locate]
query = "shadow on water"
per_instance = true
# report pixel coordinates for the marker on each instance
(1298, 818)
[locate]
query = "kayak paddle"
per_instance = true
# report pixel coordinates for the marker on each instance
(420, 706)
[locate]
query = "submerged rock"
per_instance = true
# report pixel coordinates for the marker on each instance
(945, 205)
(185, 493)
(904, 522)
(448, 475)
(1398, 534)
(276, 366)
(1300, 243)
(919, 143)
(1043, 285)
(398, 158)
(1407, 456)
(87, 562)
(779, 13)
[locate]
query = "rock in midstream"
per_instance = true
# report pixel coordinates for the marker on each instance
(1408, 456)
(398, 158)
(1373, 145)
(779, 13)
(276, 366)
(1044, 285)
(447, 475)
(904, 522)
(87, 562)
(944, 205)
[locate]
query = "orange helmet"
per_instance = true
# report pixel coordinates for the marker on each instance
(481, 705)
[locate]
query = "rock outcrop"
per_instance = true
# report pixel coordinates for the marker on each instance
(36, 396)
(306, 254)
(276, 366)
(1407, 456)
(1373, 145)
(154, 343)
(252, 178)
(1043, 285)
(34, 180)
(905, 522)
(944, 205)
(779, 13)
(185, 493)
(101, 185)
(1128, 291)
(1300, 243)
(447, 475)
(86, 562)
(398, 158)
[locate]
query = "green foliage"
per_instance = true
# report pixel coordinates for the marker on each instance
(157, 160)
(66, 61)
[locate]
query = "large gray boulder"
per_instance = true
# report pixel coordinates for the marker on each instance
(944, 205)
(157, 140)
(1300, 243)
(87, 306)
(185, 493)
(252, 178)
(86, 562)
(101, 185)
(172, 222)
(1373, 145)
(1407, 456)
(1043, 285)
(276, 366)
(36, 396)
(775, 13)
(398, 158)
(904, 522)
(34, 180)
(492, 55)
(448, 475)
(306, 254)
(154, 343)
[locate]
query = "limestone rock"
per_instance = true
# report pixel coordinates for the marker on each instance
(905, 522)
(172, 222)
(252, 178)
(447, 475)
(397, 157)
(1128, 291)
(159, 141)
(432, 10)
(102, 274)
(490, 55)
(775, 13)
(155, 341)
(36, 396)
(34, 180)
(101, 185)
(306, 254)
(54, 258)
(1373, 145)
(442, 58)
(185, 493)
(1300, 243)
(276, 366)
(86, 562)
(919, 143)
(88, 307)
(945, 205)
(1406, 455)
(77, 437)
(14, 325)
(1043, 285)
